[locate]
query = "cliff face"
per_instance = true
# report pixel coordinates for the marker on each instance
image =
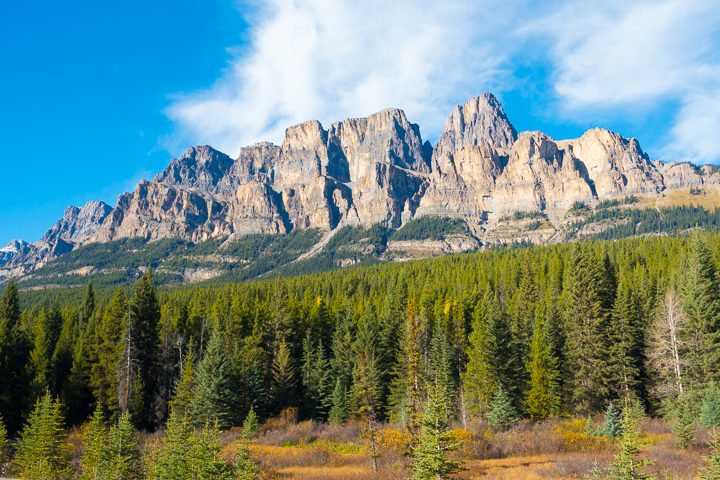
(364, 171)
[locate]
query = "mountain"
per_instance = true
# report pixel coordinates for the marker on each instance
(482, 184)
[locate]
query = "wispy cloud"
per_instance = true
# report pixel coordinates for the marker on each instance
(330, 59)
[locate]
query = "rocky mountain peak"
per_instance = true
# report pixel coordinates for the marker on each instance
(199, 167)
(480, 120)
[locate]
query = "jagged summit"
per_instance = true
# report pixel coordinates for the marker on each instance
(363, 171)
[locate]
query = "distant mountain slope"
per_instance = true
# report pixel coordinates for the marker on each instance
(496, 186)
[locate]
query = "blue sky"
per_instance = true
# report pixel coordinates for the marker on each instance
(96, 95)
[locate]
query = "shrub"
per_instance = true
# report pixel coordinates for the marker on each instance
(684, 422)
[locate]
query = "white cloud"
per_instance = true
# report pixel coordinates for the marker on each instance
(623, 57)
(331, 59)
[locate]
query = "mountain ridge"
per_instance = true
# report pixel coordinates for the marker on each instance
(372, 170)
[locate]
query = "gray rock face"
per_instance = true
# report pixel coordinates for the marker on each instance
(363, 171)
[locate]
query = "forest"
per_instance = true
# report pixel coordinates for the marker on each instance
(150, 383)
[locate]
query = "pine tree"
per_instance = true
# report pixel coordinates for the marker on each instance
(250, 424)
(120, 459)
(43, 451)
(95, 440)
(543, 397)
(441, 375)
(339, 409)
(502, 413)
(711, 471)
(710, 408)
(430, 455)
(46, 330)
(586, 315)
(213, 398)
(315, 378)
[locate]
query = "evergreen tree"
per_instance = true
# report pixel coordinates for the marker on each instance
(142, 344)
(683, 422)
(700, 295)
(43, 451)
(627, 345)
(205, 454)
(284, 378)
(543, 397)
(120, 459)
(212, 396)
(315, 378)
(4, 454)
(586, 317)
(180, 402)
(612, 422)
(430, 455)
(46, 330)
(711, 471)
(339, 409)
(245, 468)
(710, 408)
(107, 352)
(250, 424)
(441, 375)
(95, 441)
(14, 349)
(502, 413)
(172, 460)
(626, 465)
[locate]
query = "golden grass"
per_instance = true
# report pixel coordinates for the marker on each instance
(709, 198)
(533, 467)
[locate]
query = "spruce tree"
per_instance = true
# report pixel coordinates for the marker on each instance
(284, 378)
(213, 398)
(586, 316)
(441, 375)
(43, 451)
(711, 470)
(627, 345)
(245, 467)
(143, 345)
(172, 461)
(339, 404)
(430, 456)
(626, 465)
(683, 422)
(4, 454)
(612, 422)
(502, 413)
(710, 408)
(700, 293)
(95, 441)
(180, 402)
(205, 453)
(543, 396)
(107, 352)
(121, 459)
(14, 350)
(250, 424)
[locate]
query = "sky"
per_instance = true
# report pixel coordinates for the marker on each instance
(97, 95)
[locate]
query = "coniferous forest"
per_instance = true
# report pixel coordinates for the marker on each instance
(141, 382)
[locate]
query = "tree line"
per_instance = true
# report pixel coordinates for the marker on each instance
(526, 332)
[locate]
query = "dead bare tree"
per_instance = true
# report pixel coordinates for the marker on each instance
(666, 346)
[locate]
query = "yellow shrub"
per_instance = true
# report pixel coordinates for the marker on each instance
(575, 438)
(394, 440)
